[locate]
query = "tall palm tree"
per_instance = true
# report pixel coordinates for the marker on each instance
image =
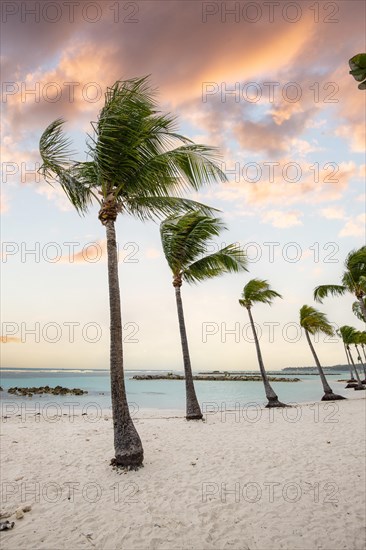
(349, 336)
(185, 239)
(137, 164)
(259, 291)
(353, 280)
(313, 322)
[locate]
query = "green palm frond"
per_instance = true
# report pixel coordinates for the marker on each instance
(322, 291)
(151, 208)
(185, 238)
(185, 241)
(315, 321)
(135, 155)
(348, 334)
(356, 308)
(258, 291)
(230, 259)
(55, 150)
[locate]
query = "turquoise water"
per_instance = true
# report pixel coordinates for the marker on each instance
(162, 394)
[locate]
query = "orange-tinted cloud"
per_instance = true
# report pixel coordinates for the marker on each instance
(9, 340)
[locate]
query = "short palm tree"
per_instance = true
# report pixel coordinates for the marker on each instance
(185, 239)
(352, 382)
(349, 336)
(356, 308)
(359, 339)
(313, 322)
(137, 164)
(353, 280)
(362, 341)
(258, 291)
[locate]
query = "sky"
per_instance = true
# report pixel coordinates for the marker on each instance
(268, 84)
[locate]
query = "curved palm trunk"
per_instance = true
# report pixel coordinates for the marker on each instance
(127, 443)
(363, 351)
(193, 411)
(360, 360)
(352, 382)
(328, 392)
(359, 383)
(270, 393)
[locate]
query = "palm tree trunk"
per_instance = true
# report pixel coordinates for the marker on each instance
(359, 383)
(328, 392)
(352, 381)
(360, 360)
(127, 443)
(193, 411)
(363, 351)
(270, 393)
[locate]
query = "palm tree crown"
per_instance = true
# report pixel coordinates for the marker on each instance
(353, 278)
(185, 239)
(257, 291)
(315, 321)
(137, 162)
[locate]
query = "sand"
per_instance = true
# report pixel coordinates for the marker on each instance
(252, 480)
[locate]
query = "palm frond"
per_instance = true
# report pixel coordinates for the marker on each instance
(258, 291)
(152, 208)
(230, 259)
(322, 291)
(55, 150)
(348, 334)
(315, 321)
(185, 238)
(356, 308)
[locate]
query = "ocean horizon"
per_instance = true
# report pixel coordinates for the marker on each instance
(161, 394)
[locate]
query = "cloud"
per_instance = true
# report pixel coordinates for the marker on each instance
(278, 218)
(332, 213)
(354, 227)
(10, 340)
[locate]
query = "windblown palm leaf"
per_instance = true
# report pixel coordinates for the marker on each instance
(258, 291)
(185, 240)
(136, 157)
(315, 321)
(356, 308)
(353, 280)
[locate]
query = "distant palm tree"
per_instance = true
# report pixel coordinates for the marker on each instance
(185, 239)
(258, 291)
(313, 322)
(349, 336)
(352, 382)
(353, 280)
(362, 342)
(359, 340)
(137, 164)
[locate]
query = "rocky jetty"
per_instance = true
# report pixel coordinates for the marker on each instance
(58, 390)
(214, 377)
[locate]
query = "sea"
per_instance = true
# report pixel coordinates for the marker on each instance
(156, 394)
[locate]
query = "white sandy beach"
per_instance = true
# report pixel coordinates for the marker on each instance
(289, 484)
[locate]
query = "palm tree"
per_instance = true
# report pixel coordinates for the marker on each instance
(352, 382)
(259, 291)
(185, 239)
(353, 280)
(359, 339)
(313, 322)
(349, 336)
(362, 341)
(137, 164)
